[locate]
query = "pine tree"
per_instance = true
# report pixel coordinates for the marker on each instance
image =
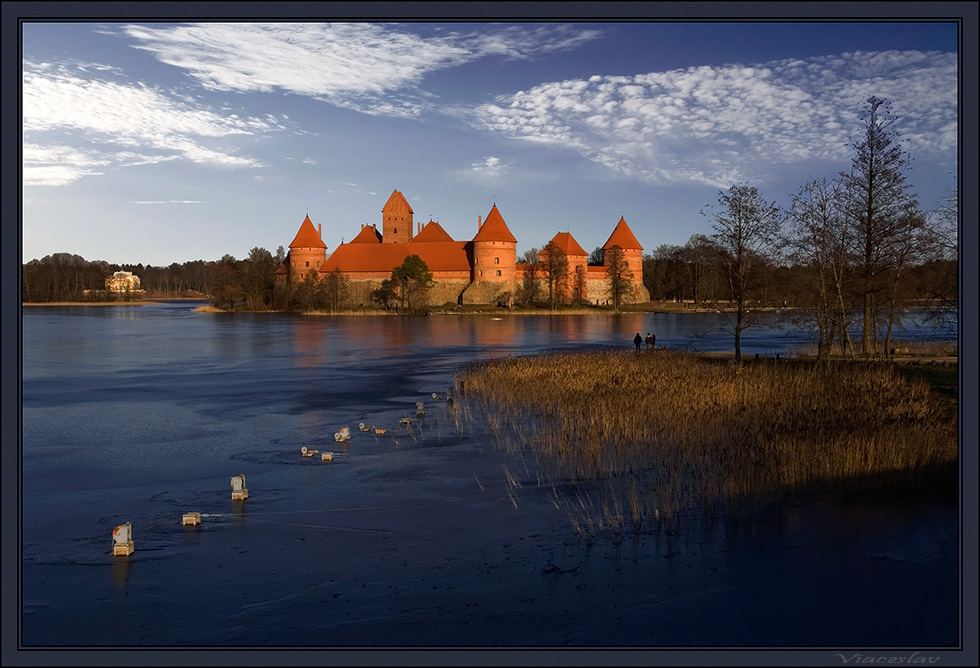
(881, 208)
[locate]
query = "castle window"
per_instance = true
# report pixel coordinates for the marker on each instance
(498, 272)
(496, 260)
(395, 231)
(481, 272)
(307, 263)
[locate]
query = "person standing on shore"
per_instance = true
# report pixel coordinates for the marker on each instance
(650, 342)
(637, 340)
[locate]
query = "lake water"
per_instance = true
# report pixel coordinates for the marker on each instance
(413, 537)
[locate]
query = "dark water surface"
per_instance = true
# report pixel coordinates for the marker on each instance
(412, 538)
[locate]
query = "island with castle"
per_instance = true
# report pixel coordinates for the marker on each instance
(483, 270)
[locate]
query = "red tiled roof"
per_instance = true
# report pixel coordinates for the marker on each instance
(494, 228)
(432, 231)
(397, 200)
(437, 255)
(567, 243)
(368, 235)
(623, 237)
(307, 237)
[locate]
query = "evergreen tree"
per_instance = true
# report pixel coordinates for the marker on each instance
(883, 212)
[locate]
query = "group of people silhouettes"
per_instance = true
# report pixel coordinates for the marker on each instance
(651, 341)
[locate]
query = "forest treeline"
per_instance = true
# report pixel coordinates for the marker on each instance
(694, 273)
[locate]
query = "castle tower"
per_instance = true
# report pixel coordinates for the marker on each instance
(494, 251)
(623, 237)
(307, 251)
(397, 221)
(575, 285)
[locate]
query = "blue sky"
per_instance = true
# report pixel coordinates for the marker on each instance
(158, 142)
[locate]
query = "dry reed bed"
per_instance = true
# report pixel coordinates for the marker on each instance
(666, 431)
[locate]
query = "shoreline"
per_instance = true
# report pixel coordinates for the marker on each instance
(138, 302)
(652, 307)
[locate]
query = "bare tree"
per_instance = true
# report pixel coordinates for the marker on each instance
(881, 206)
(817, 243)
(308, 293)
(907, 250)
(555, 264)
(941, 240)
(700, 255)
(530, 256)
(746, 228)
(336, 289)
(620, 276)
(527, 292)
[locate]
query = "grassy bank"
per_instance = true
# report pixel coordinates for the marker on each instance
(654, 434)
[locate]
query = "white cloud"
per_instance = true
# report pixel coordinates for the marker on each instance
(369, 67)
(58, 165)
(490, 167)
(169, 201)
(718, 125)
(112, 122)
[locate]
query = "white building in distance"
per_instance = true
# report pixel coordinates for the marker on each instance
(123, 281)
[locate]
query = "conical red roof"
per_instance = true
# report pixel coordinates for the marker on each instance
(623, 237)
(432, 232)
(368, 235)
(567, 243)
(494, 228)
(307, 237)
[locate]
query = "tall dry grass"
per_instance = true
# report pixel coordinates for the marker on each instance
(898, 348)
(669, 431)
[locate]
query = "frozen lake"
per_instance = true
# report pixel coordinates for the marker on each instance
(143, 413)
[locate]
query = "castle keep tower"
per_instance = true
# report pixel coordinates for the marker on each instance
(307, 251)
(397, 220)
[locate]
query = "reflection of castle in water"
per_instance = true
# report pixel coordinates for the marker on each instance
(338, 341)
(483, 270)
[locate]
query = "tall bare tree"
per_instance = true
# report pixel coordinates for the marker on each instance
(620, 276)
(555, 264)
(882, 206)
(817, 242)
(746, 228)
